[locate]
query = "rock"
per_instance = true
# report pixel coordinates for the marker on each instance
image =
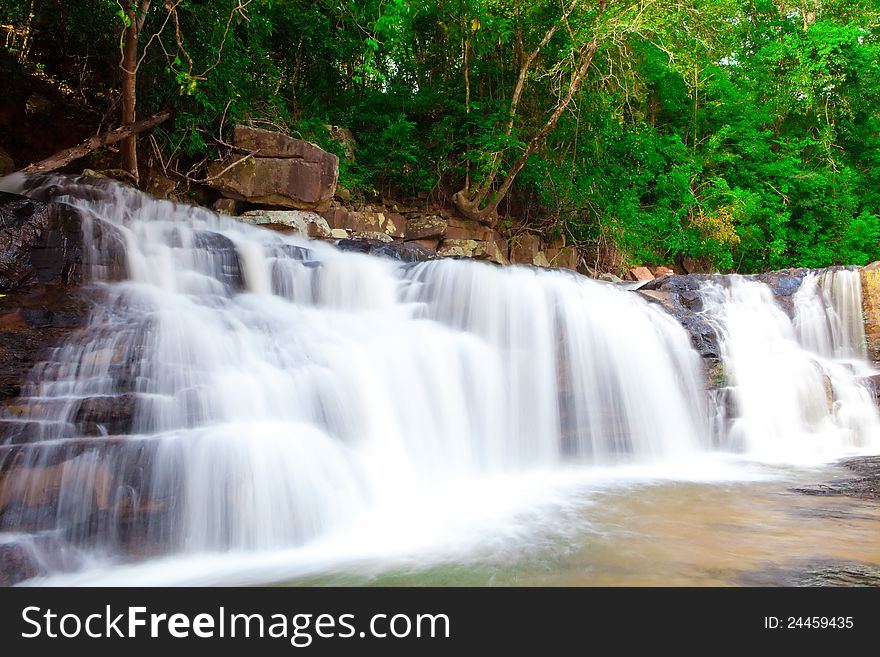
(40, 273)
(225, 206)
(271, 144)
(610, 278)
(393, 224)
(160, 185)
(336, 218)
(343, 194)
(402, 251)
(870, 276)
(339, 234)
(663, 271)
(639, 274)
(39, 242)
(462, 229)
(374, 236)
(431, 244)
(477, 249)
(524, 249)
(566, 257)
(285, 172)
(17, 563)
(7, 165)
(541, 260)
(422, 227)
(309, 224)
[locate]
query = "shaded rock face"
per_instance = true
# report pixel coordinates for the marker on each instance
(284, 172)
(39, 242)
(680, 296)
(41, 269)
(402, 251)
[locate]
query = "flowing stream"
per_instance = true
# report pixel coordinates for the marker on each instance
(249, 407)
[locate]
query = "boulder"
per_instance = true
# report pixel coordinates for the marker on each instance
(423, 227)
(663, 271)
(639, 274)
(610, 278)
(308, 224)
(284, 172)
(271, 144)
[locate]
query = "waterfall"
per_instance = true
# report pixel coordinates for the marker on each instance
(238, 389)
(795, 380)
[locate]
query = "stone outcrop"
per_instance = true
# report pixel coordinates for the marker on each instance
(639, 274)
(870, 276)
(40, 275)
(301, 222)
(39, 242)
(426, 226)
(284, 172)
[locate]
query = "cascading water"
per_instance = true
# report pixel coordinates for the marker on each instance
(265, 391)
(795, 381)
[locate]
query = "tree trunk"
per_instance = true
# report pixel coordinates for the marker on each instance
(129, 66)
(475, 207)
(473, 204)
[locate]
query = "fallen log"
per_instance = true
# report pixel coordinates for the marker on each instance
(68, 155)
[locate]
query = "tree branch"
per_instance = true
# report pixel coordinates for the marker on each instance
(68, 155)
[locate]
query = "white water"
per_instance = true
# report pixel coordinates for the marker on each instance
(313, 406)
(795, 381)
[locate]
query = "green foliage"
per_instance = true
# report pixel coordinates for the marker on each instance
(742, 133)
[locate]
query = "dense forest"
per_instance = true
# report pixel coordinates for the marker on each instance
(743, 134)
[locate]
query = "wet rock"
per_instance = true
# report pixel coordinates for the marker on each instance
(402, 251)
(17, 563)
(223, 255)
(39, 242)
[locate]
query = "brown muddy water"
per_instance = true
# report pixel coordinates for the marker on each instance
(814, 528)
